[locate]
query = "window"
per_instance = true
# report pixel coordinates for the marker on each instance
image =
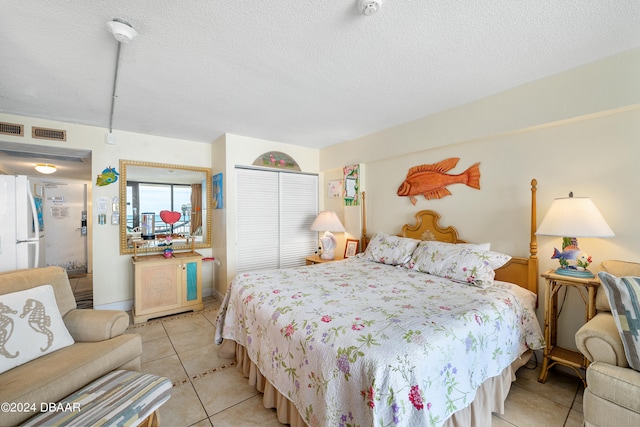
(148, 197)
(274, 212)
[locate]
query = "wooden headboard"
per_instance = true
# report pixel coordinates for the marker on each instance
(521, 271)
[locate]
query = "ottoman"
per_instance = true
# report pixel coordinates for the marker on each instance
(120, 398)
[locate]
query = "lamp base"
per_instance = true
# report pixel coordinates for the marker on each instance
(580, 274)
(327, 254)
(328, 242)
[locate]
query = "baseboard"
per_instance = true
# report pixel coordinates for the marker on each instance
(120, 305)
(127, 305)
(218, 295)
(210, 292)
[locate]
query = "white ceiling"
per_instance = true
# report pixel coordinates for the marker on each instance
(312, 73)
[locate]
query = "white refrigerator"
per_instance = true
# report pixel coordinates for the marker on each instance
(21, 224)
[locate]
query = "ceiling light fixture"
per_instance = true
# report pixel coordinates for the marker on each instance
(46, 168)
(121, 30)
(369, 7)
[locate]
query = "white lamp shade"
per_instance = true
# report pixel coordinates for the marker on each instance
(574, 217)
(327, 221)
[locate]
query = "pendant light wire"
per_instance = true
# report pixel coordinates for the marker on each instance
(115, 86)
(123, 32)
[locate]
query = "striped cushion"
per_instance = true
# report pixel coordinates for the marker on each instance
(121, 398)
(624, 296)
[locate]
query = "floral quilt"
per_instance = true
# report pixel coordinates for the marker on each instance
(359, 343)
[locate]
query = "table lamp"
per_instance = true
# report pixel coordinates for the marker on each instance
(327, 221)
(570, 218)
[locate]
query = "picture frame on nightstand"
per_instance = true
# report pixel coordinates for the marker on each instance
(351, 248)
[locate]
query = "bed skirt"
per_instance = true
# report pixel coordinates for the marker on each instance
(489, 398)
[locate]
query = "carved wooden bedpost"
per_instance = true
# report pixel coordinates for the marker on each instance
(364, 241)
(533, 241)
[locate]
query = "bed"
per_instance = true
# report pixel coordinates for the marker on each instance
(421, 329)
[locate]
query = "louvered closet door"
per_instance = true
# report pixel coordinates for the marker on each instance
(257, 220)
(298, 210)
(275, 211)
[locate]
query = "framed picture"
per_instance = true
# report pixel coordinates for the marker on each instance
(218, 199)
(351, 185)
(351, 248)
(40, 214)
(335, 189)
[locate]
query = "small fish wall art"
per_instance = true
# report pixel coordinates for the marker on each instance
(108, 176)
(432, 180)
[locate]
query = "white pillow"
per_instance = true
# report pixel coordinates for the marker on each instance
(392, 250)
(495, 259)
(478, 246)
(464, 264)
(31, 325)
(438, 244)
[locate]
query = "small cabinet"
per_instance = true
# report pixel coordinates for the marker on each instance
(166, 286)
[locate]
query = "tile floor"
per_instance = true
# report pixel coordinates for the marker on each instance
(209, 391)
(81, 283)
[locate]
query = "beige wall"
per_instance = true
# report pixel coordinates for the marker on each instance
(577, 131)
(592, 89)
(350, 216)
(242, 151)
(595, 158)
(113, 284)
(219, 216)
(112, 273)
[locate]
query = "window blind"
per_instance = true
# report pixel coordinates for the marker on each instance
(274, 212)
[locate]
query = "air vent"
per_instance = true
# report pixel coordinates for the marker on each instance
(11, 129)
(44, 133)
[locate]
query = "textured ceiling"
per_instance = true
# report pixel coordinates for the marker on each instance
(311, 73)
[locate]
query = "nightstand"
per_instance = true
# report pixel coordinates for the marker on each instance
(554, 354)
(315, 259)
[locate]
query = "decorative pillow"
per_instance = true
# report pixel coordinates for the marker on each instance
(495, 259)
(618, 269)
(464, 264)
(624, 296)
(477, 246)
(30, 326)
(438, 244)
(392, 250)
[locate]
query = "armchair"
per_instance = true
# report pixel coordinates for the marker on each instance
(613, 387)
(99, 346)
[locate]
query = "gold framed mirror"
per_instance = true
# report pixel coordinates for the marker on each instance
(148, 188)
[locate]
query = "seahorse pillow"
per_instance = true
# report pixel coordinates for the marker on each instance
(30, 326)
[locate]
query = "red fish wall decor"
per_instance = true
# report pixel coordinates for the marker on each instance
(431, 180)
